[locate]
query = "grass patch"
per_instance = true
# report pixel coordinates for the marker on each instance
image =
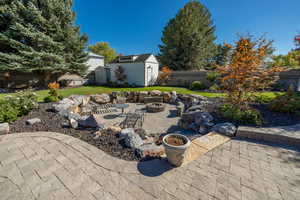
(86, 90)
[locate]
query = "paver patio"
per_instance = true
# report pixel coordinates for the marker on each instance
(55, 166)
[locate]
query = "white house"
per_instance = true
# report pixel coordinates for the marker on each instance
(140, 70)
(94, 61)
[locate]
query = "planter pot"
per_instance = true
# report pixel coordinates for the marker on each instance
(176, 146)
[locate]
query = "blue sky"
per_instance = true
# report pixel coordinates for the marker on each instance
(135, 26)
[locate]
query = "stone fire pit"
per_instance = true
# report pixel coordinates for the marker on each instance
(155, 107)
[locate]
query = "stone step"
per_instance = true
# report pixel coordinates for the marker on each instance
(204, 144)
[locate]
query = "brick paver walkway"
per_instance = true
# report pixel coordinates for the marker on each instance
(55, 166)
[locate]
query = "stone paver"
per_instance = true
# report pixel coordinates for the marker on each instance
(55, 166)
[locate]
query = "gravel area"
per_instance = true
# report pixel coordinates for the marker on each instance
(52, 122)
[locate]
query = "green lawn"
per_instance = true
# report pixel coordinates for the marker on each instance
(101, 89)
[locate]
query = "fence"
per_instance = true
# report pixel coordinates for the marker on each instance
(185, 78)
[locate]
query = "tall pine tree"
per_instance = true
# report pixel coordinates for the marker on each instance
(40, 36)
(188, 39)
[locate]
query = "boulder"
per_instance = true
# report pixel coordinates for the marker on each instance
(142, 96)
(125, 132)
(190, 116)
(203, 118)
(180, 108)
(167, 97)
(155, 93)
(81, 100)
(198, 97)
(65, 104)
(131, 139)
(115, 94)
(4, 128)
(195, 108)
(173, 97)
(150, 150)
(114, 129)
(101, 98)
(227, 129)
(93, 121)
(184, 124)
(203, 130)
(73, 123)
(33, 121)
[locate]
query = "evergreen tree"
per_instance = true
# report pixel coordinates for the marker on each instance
(188, 39)
(40, 36)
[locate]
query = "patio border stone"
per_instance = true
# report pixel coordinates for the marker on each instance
(287, 135)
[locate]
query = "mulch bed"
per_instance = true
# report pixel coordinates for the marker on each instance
(52, 122)
(270, 118)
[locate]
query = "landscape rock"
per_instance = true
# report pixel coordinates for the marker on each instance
(195, 108)
(101, 98)
(33, 121)
(4, 128)
(203, 118)
(142, 96)
(93, 121)
(203, 130)
(199, 97)
(114, 129)
(180, 108)
(73, 123)
(190, 116)
(150, 150)
(81, 100)
(64, 104)
(183, 124)
(173, 97)
(155, 93)
(132, 140)
(227, 129)
(167, 97)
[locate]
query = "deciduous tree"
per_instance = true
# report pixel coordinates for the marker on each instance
(103, 48)
(246, 73)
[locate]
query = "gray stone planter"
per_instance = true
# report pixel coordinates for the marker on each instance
(176, 153)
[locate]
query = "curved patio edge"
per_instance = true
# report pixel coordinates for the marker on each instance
(286, 135)
(92, 153)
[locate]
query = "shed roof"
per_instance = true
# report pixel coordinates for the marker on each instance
(140, 58)
(70, 77)
(95, 55)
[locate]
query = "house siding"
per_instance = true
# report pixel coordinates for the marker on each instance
(94, 62)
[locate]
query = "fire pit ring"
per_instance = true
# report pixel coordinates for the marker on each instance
(155, 107)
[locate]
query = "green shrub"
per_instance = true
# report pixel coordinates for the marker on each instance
(212, 76)
(287, 103)
(237, 115)
(49, 99)
(198, 85)
(23, 101)
(263, 99)
(214, 87)
(17, 105)
(8, 113)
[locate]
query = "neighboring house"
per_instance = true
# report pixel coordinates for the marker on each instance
(140, 70)
(94, 61)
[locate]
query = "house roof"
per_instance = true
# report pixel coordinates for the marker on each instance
(140, 58)
(70, 77)
(94, 55)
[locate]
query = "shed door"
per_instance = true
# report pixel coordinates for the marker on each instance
(108, 75)
(149, 74)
